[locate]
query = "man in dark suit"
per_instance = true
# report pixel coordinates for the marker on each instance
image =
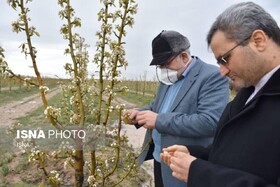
(246, 149)
(189, 102)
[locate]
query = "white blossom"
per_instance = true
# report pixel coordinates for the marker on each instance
(45, 89)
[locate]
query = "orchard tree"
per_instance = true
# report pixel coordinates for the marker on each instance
(87, 104)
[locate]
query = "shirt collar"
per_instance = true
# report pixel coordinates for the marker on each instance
(187, 70)
(262, 82)
(265, 78)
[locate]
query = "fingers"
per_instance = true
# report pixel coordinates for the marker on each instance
(179, 176)
(165, 157)
(178, 172)
(179, 165)
(178, 158)
(169, 152)
(146, 118)
(130, 116)
(133, 114)
(140, 117)
(182, 148)
(174, 148)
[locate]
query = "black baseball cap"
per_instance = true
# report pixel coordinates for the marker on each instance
(167, 45)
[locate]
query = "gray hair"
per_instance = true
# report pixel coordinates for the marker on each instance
(239, 21)
(188, 51)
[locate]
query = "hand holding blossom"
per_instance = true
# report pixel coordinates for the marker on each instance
(178, 158)
(147, 119)
(130, 116)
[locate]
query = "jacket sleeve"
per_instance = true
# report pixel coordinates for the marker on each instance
(211, 101)
(199, 151)
(203, 173)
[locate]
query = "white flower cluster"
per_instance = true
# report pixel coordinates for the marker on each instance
(99, 172)
(27, 79)
(109, 90)
(74, 119)
(113, 133)
(45, 89)
(91, 180)
(3, 64)
(110, 108)
(54, 112)
(125, 89)
(120, 106)
(116, 79)
(113, 145)
(77, 80)
(72, 100)
(109, 162)
(54, 177)
(69, 163)
(108, 2)
(36, 154)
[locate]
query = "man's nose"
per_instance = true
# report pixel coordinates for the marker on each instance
(223, 70)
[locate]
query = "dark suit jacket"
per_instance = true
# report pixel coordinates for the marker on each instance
(246, 148)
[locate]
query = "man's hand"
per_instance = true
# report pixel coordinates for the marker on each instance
(179, 160)
(147, 119)
(169, 151)
(131, 116)
(180, 164)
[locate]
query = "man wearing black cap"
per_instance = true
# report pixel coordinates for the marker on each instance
(189, 102)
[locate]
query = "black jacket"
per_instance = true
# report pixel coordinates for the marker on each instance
(246, 148)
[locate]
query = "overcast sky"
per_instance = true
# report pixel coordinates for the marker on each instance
(191, 18)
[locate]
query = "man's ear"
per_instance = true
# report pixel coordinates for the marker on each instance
(259, 40)
(185, 56)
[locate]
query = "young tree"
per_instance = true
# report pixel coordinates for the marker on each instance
(87, 104)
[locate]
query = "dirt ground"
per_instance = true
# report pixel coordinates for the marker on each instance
(11, 111)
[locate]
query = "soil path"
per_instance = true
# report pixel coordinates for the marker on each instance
(11, 111)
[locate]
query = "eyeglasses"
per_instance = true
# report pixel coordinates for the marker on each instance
(222, 59)
(166, 65)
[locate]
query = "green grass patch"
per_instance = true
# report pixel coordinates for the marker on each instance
(137, 99)
(6, 143)
(37, 117)
(16, 95)
(5, 170)
(23, 164)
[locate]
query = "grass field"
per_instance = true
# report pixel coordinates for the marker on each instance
(16, 94)
(137, 99)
